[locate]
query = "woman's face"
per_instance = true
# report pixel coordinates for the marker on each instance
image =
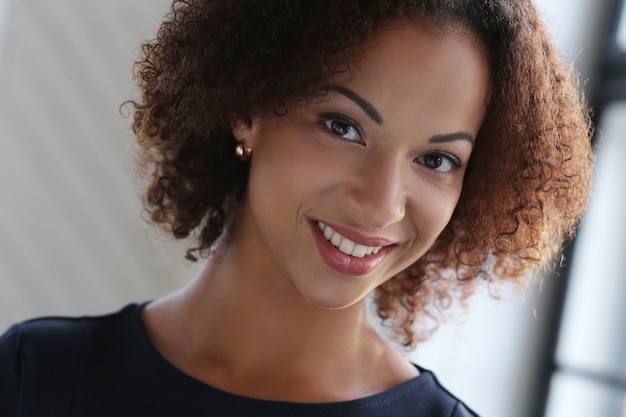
(349, 190)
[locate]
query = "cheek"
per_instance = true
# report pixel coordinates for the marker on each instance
(433, 207)
(285, 175)
(296, 167)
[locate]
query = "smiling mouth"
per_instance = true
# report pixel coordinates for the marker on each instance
(345, 245)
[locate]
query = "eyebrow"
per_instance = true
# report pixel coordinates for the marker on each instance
(365, 105)
(452, 137)
(371, 111)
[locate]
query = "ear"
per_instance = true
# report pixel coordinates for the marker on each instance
(242, 130)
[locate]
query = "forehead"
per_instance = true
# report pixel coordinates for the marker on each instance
(430, 43)
(411, 69)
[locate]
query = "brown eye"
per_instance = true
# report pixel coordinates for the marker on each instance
(433, 161)
(339, 128)
(440, 162)
(342, 127)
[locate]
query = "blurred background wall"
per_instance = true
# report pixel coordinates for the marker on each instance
(71, 237)
(72, 241)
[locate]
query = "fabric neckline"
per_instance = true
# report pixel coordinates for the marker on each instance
(376, 400)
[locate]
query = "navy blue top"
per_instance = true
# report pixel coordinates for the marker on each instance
(107, 366)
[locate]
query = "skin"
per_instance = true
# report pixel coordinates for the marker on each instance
(381, 156)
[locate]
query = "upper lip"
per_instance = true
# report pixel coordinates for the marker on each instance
(357, 237)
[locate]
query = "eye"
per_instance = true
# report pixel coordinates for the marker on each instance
(439, 161)
(342, 126)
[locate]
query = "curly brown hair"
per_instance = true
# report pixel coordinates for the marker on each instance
(215, 61)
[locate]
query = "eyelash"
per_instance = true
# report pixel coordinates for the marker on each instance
(453, 160)
(328, 119)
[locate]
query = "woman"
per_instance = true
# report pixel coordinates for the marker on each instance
(316, 152)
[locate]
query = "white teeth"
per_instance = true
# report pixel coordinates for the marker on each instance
(359, 251)
(345, 245)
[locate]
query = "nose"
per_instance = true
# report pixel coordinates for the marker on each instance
(379, 195)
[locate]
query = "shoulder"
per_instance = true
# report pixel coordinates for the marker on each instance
(420, 396)
(438, 400)
(43, 353)
(48, 334)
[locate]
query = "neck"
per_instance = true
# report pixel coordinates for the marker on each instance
(238, 325)
(252, 319)
(242, 325)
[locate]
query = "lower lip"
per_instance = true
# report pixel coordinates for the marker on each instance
(346, 264)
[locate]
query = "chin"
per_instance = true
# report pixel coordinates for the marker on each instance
(334, 299)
